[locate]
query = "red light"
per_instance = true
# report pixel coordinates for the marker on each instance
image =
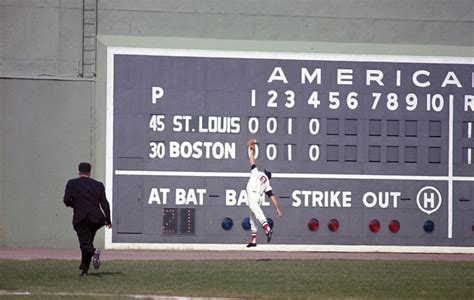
(313, 224)
(472, 227)
(333, 225)
(374, 225)
(394, 226)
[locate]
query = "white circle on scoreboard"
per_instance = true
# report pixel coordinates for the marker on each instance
(431, 201)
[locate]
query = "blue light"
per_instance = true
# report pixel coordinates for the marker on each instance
(428, 226)
(246, 224)
(227, 223)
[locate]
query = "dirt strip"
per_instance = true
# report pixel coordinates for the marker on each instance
(74, 254)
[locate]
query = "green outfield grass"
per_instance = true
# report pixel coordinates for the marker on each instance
(295, 279)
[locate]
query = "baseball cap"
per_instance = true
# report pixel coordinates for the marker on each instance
(268, 173)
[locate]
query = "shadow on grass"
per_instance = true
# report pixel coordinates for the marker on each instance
(264, 259)
(103, 274)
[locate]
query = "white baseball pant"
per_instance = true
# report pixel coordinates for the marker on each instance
(255, 202)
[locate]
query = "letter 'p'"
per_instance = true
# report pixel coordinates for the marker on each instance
(156, 93)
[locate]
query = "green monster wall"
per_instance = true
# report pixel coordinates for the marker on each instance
(52, 104)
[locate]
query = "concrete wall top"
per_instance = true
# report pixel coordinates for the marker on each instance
(283, 46)
(424, 10)
(45, 38)
(401, 22)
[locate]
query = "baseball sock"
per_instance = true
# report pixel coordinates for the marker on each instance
(265, 226)
(254, 238)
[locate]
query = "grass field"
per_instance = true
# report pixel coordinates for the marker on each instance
(271, 279)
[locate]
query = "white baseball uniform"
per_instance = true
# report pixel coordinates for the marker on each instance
(257, 186)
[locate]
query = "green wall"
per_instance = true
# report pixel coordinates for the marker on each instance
(51, 118)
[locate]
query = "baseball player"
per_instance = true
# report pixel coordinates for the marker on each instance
(257, 186)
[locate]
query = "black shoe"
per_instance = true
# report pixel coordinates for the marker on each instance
(251, 245)
(269, 235)
(96, 259)
(84, 273)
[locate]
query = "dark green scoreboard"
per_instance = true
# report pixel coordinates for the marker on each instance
(364, 150)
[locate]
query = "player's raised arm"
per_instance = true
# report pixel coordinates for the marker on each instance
(251, 143)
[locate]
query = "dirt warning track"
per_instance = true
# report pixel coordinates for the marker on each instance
(108, 254)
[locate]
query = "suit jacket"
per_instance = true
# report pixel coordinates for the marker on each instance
(87, 197)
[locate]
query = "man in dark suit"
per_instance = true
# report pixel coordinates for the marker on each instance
(91, 211)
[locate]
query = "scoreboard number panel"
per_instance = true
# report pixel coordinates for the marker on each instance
(364, 150)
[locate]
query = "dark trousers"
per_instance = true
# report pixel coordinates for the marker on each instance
(86, 231)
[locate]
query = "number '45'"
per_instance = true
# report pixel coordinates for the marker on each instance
(157, 122)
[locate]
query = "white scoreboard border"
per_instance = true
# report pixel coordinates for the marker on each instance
(111, 51)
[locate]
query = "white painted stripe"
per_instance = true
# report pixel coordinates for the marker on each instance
(289, 175)
(181, 173)
(469, 130)
(469, 156)
(280, 175)
(109, 142)
(450, 167)
(75, 294)
(289, 55)
(300, 248)
(462, 178)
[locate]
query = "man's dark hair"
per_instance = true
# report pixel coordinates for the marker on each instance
(85, 167)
